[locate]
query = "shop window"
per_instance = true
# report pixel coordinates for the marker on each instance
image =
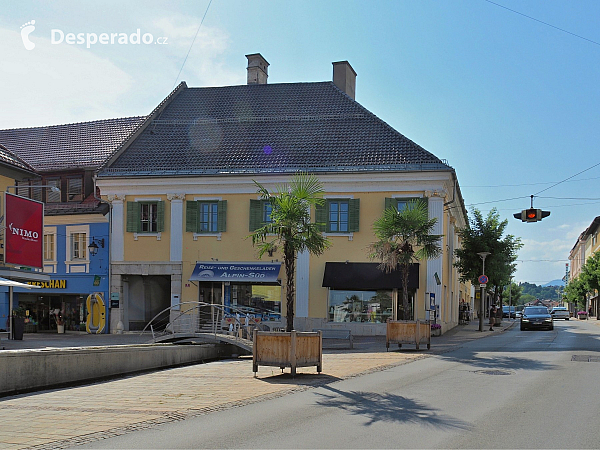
(78, 246)
(360, 306)
(75, 189)
(146, 217)
(260, 300)
(401, 203)
(338, 215)
(206, 216)
(49, 240)
(260, 213)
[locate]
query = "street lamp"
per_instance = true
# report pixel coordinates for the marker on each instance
(93, 247)
(482, 255)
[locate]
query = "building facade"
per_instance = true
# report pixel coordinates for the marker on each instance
(184, 200)
(76, 244)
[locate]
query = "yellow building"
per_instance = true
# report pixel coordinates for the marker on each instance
(184, 200)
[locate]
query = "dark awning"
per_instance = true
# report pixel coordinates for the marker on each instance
(234, 271)
(341, 275)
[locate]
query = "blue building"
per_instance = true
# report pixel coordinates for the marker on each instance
(76, 246)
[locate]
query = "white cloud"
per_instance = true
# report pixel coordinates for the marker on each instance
(57, 83)
(205, 65)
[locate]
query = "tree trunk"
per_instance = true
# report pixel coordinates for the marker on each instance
(404, 270)
(290, 267)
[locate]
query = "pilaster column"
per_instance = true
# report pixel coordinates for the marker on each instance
(176, 250)
(302, 286)
(436, 210)
(118, 227)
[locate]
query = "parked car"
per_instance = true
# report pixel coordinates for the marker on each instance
(536, 317)
(560, 312)
(508, 312)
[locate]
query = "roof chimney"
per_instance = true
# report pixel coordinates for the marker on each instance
(258, 69)
(344, 77)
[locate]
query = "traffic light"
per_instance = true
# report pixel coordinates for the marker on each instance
(531, 215)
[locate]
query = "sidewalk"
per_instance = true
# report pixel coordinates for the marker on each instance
(66, 417)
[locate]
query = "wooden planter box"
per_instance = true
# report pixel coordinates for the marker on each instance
(282, 349)
(408, 332)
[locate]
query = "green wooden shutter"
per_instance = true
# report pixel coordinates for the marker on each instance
(391, 202)
(133, 217)
(160, 216)
(191, 216)
(255, 214)
(353, 214)
(222, 216)
(321, 216)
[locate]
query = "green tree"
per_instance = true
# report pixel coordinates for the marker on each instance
(404, 237)
(590, 272)
(576, 292)
(513, 292)
(291, 229)
(485, 234)
(527, 298)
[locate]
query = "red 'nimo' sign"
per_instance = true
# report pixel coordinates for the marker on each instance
(24, 231)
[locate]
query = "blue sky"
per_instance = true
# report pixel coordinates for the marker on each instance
(512, 104)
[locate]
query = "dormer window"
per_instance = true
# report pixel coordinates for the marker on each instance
(75, 189)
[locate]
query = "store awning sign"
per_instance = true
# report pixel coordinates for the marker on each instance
(237, 272)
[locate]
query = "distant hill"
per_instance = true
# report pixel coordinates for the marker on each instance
(546, 292)
(554, 283)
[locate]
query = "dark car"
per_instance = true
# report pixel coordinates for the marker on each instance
(536, 317)
(508, 312)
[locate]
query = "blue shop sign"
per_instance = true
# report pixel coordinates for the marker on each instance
(237, 272)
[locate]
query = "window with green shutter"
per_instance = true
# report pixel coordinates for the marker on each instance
(146, 217)
(400, 202)
(260, 213)
(339, 215)
(206, 216)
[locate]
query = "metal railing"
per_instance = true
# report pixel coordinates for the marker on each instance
(200, 318)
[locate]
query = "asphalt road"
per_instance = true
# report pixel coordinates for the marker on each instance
(518, 389)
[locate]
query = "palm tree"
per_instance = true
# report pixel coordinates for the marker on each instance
(404, 237)
(290, 227)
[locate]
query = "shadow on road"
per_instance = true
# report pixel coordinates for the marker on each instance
(389, 408)
(497, 362)
(308, 379)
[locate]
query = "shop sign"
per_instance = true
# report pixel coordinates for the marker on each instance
(241, 272)
(52, 284)
(24, 231)
(96, 280)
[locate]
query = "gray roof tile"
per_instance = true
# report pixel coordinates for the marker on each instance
(267, 128)
(69, 146)
(9, 158)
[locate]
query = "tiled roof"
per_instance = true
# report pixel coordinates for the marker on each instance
(267, 128)
(9, 158)
(70, 146)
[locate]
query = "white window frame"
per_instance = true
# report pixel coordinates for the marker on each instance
(207, 199)
(158, 234)
(50, 266)
(349, 235)
(77, 265)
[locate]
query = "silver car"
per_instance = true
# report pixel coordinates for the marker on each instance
(560, 312)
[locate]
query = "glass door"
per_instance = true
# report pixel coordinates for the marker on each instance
(209, 317)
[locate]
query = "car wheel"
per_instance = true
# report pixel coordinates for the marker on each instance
(551, 328)
(522, 328)
(567, 318)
